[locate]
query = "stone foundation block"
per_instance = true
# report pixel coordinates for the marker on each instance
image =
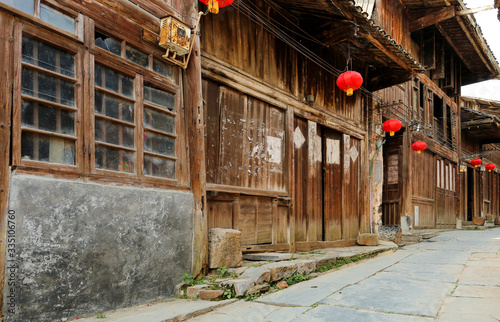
(224, 248)
(258, 289)
(210, 294)
(194, 291)
(280, 270)
(240, 286)
(257, 274)
(305, 266)
(478, 221)
(390, 233)
(367, 240)
(497, 220)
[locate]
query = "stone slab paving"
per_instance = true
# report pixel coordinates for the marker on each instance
(168, 310)
(250, 311)
(491, 292)
(390, 293)
(420, 271)
(438, 257)
(470, 309)
(335, 313)
(312, 291)
(480, 275)
(453, 277)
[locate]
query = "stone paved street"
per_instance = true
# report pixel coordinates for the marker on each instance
(453, 277)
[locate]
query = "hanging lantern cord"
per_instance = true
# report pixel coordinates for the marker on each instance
(349, 59)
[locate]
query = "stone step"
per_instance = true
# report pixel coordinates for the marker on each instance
(411, 239)
(429, 235)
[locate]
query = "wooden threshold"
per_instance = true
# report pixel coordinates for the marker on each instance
(300, 246)
(307, 246)
(265, 248)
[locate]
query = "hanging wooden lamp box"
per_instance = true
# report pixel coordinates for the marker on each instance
(175, 36)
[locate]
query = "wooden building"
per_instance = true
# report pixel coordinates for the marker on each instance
(287, 152)
(425, 189)
(480, 139)
(115, 162)
(98, 190)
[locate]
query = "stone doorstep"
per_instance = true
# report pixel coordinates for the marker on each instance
(276, 271)
(411, 239)
(274, 257)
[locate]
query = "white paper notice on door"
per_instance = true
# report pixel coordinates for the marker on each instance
(332, 151)
(274, 149)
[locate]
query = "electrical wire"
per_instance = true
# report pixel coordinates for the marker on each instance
(400, 110)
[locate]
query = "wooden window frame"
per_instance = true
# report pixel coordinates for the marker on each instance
(35, 18)
(86, 55)
(24, 28)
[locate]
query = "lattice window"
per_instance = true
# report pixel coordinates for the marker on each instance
(114, 121)
(48, 105)
(159, 132)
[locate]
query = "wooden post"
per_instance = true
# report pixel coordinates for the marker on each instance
(6, 63)
(406, 191)
(193, 104)
(290, 163)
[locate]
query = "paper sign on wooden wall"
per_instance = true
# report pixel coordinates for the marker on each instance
(274, 149)
(332, 151)
(298, 138)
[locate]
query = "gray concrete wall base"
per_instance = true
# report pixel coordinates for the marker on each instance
(85, 247)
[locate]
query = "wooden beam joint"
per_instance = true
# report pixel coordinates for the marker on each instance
(424, 18)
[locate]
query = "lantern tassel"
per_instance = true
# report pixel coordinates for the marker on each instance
(391, 133)
(213, 6)
(349, 91)
(418, 152)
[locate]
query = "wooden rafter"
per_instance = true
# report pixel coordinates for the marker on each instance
(428, 17)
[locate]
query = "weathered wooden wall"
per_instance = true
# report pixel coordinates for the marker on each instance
(255, 51)
(392, 16)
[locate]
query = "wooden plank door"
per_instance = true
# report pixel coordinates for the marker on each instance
(351, 187)
(332, 185)
(301, 175)
(391, 196)
(445, 194)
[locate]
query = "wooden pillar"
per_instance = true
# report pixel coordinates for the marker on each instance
(6, 73)
(290, 163)
(406, 190)
(458, 175)
(193, 104)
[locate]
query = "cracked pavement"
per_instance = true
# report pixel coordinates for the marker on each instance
(453, 277)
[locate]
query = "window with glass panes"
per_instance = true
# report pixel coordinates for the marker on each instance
(48, 105)
(130, 128)
(114, 107)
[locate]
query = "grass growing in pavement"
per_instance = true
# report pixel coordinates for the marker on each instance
(342, 261)
(296, 278)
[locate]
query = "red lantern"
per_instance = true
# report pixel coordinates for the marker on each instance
(419, 146)
(349, 82)
(490, 167)
(214, 5)
(476, 162)
(392, 126)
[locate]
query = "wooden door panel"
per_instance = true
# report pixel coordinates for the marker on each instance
(301, 178)
(332, 185)
(391, 197)
(350, 218)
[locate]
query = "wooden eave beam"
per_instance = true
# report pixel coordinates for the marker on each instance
(425, 18)
(454, 46)
(485, 121)
(386, 51)
(479, 51)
